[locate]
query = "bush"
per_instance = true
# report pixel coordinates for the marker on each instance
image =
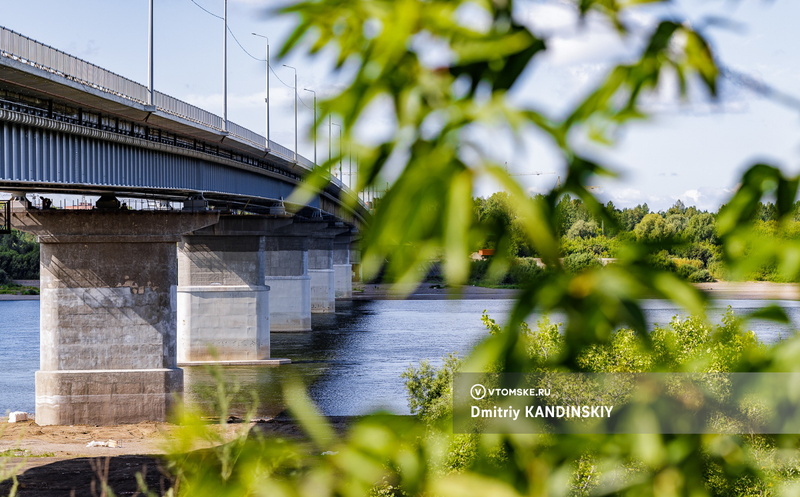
(522, 271)
(577, 263)
(429, 389)
(700, 276)
(686, 267)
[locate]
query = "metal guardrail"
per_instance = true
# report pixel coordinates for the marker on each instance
(179, 108)
(281, 151)
(29, 51)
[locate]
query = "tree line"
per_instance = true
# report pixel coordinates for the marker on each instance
(682, 239)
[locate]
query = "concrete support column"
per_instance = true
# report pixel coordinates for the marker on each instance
(223, 301)
(342, 269)
(320, 268)
(108, 328)
(288, 276)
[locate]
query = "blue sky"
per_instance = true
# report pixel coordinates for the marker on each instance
(691, 151)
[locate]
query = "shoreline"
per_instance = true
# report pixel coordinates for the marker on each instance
(9, 296)
(730, 290)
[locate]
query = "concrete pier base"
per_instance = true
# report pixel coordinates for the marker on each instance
(290, 303)
(223, 323)
(321, 256)
(108, 329)
(323, 299)
(288, 276)
(104, 397)
(343, 281)
(320, 268)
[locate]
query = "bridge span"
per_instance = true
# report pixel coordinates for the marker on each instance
(128, 296)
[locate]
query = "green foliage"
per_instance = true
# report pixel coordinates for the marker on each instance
(685, 345)
(519, 271)
(19, 257)
(583, 229)
(700, 228)
(429, 389)
(654, 229)
(499, 220)
(577, 263)
(599, 246)
(523, 271)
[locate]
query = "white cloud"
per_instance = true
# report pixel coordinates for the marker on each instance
(705, 198)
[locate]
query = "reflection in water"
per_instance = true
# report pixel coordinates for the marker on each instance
(351, 362)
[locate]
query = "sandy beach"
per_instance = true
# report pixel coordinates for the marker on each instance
(54, 461)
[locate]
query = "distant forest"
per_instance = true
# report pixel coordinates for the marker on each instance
(19, 257)
(683, 239)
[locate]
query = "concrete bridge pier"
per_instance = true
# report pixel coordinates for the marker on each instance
(287, 274)
(321, 267)
(342, 268)
(108, 329)
(223, 301)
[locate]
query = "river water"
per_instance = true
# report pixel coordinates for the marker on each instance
(351, 363)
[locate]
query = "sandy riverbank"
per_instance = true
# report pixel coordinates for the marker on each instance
(54, 460)
(57, 461)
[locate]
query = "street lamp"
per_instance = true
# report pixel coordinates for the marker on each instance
(340, 143)
(225, 68)
(267, 88)
(295, 111)
(150, 56)
(315, 124)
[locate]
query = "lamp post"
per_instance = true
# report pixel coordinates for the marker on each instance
(341, 174)
(340, 144)
(225, 68)
(266, 99)
(150, 56)
(315, 124)
(295, 110)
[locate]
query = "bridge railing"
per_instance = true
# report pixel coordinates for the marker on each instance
(29, 51)
(172, 105)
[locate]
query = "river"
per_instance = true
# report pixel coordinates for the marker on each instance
(351, 362)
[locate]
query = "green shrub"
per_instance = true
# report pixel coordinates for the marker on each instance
(577, 263)
(700, 276)
(523, 270)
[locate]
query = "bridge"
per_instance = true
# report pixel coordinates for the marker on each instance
(128, 296)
